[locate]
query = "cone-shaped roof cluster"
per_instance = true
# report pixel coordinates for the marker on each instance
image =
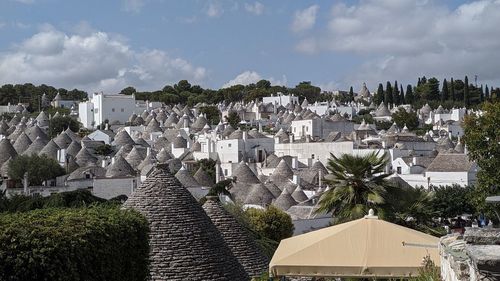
(185, 244)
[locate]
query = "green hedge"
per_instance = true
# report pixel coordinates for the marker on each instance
(98, 243)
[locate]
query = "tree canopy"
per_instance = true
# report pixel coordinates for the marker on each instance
(39, 168)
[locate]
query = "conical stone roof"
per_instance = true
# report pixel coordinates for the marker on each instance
(299, 195)
(63, 140)
(239, 240)
(37, 145)
(244, 174)
(120, 168)
(285, 200)
(6, 151)
(134, 158)
(259, 195)
(163, 156)
(50, 149)
(123, 138)
(85, 158)
(273, 189)
(186, 179)
(73, 148)
(184, 243)
(203, 179)
(36, 132)
(22, 143)
(4, 168)
(282, 172)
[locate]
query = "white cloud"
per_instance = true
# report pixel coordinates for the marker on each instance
(404, 39)
(92, 62)
(134, 6)
(214, 9)
(249, 77)
(329, 86)
(305, 19)
(256, 8)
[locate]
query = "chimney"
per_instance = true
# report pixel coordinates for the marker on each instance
(217, 172)
(245, 135)
(148, 151)
(295, 163)
(414, 162)
(113, 160)
(296, 179)
(106, 127)
(291, 138)
(103, 163)
(320, 178)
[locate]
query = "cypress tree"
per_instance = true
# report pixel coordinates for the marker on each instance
(452, 90)
(401, 94)
(487, 93)
(466, 91)
(409, 94)
(419, 82)
(481, 94)
(395, 94)
(444, 92)
(388, 94)
(379, 96)
(351, 94)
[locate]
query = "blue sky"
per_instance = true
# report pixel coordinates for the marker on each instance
(107, 45)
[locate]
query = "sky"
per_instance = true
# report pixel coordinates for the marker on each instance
(105, 46)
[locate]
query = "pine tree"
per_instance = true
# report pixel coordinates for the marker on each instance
(487, 93)
(452, 90)
(481, 94)
(466, 91)
(409, 94)
(419, 82)
(395, 94)
(444, 92)
(401, 94)
(388, 100)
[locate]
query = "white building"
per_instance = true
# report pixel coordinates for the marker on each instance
(281, 99)
(320, 127)
(113, 108)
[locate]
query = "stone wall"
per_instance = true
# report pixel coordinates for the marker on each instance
(473, 256)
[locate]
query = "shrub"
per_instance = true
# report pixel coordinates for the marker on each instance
(74, 244)
(271, 223)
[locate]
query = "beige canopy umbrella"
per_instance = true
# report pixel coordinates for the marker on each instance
(366, 247)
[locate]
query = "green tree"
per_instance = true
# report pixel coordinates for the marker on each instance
(212, 112)
(233, 119)
(466, 91)
(59, 124)
(39, 168)
(104, 150)
(357, 183)
(404, 118)
(487, 93)
(433, 89)
(128, 91)
(452, 90)
(402, 95)
(388, 100)
(351, 94)
(409, 98)
(452, 200)
(482, 137)
(271, 223)
(182, 86)
(395, 94)
(264, 84)
(307, 90)
(444, 91)
(379, 96)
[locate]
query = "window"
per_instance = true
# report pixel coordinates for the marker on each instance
(307, 129)
(112, 109)
(398, 169)
(225, 172)
(312, 156)
(87, 176)
(229, 145)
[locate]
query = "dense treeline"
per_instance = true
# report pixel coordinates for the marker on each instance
(29, 93)
(449, 93)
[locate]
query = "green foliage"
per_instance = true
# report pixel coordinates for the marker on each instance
(39, 168)
(128, 91)
(213, 114)
(233, 119)
(74, 244)
(357, 183)
(402, 118)
(59, 124)
(271, 223)
(104, 150)
(306, 90)
(31, 94)
(452, 201)
(482, 137)
(388, 98)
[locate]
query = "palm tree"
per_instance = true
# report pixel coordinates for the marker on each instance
(357, 183)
